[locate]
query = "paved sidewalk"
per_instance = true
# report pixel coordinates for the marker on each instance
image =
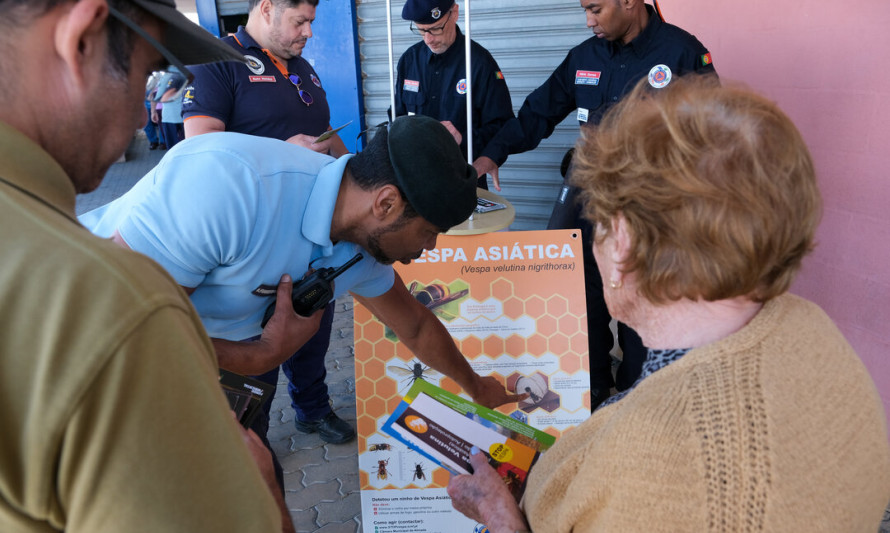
(321, 480)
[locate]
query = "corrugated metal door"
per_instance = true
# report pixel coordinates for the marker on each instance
(231, 7)
(528, 38)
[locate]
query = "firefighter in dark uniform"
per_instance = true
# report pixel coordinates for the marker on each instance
(432, 77)
(276, 94)
(630, 42)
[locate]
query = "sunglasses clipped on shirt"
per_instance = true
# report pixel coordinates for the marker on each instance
(304, 96)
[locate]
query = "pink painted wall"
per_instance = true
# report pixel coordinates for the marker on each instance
(827, 64)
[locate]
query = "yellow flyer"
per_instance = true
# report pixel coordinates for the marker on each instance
(514, 304)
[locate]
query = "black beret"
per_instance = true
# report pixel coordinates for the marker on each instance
(431, 170)
(426, 11)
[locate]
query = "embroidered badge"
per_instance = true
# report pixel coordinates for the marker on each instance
(587, 77)
(499, 75)
(462, 86)
(315, 80)
(706, 59)
(255, 65)
(659, 76)
(188, 96)
(436, 13)
(583, 114)
(411, 85)
(263, 79)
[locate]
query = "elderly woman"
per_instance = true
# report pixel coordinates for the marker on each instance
(752, 412)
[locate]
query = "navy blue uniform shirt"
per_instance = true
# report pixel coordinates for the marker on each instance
(257, 98)
(594, 76)
(435, 85)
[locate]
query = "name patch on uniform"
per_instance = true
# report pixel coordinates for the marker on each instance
(660, 76)
(266, 79)
(706, 59)
(587, 77)
(411, 85)
(461, 86)
(255, 65)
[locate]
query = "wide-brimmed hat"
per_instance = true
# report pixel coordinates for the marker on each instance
(191, 43)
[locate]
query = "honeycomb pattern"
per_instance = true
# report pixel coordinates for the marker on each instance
(553, 303)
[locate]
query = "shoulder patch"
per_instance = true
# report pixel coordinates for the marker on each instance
(255, 65)
(706, 59)
(660, 76)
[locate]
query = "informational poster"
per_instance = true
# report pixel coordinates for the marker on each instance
(514, 304)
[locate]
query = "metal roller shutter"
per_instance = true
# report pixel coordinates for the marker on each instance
(231, 7)
(528, 38)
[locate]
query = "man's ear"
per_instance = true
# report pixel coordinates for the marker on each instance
(267, 11)
(387, 203)
(80, 35)
(628, 5)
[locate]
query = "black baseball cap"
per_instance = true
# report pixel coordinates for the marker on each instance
(189, 42)
(431, 170)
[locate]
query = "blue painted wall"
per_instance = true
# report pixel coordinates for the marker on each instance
(333, 52)
(208, 16)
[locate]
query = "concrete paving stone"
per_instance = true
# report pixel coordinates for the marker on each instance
(349, 483)
(293, 481)
(337, 527)
(313, 494)
(298, 460)
(281, 447)
(341, 510)
(286, 416)
(328, 471)
(304, 520)
(347, 411)
(342, 386)
(301, 441)
(280, 431)
(347, 450)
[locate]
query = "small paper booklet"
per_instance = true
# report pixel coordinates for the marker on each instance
(443, 427)
(330, 133)
(484, 206)
(246, 395)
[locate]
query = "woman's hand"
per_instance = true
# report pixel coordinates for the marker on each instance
(485, 498)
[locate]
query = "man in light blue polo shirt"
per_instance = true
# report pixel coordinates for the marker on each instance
(234, 218)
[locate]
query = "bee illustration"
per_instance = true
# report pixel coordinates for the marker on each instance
(379, 447)
(418, 471)
(414, 372)
(381, 469)
(511, 479)
(435, 295)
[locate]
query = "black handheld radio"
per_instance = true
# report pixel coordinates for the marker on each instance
(314, 291)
